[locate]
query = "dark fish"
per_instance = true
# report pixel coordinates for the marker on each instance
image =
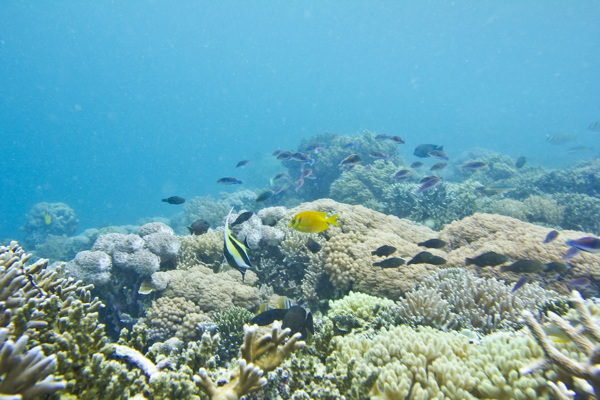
(438, 166)
(284, 155)
(349, 162)
(242, 163)
(524, 266)
(384, 251)
(556, 266)
(199, 227)
(439, 154)
(433, 244)
(551, 236)
(473, 165)
(580, 282)
(594, 126)
(589, 244)
(428, 185)
(416, 164)
(229, 180)
(174, 200)
(401, 175)
(264, 196)
(520, 283)
(389, 262)
(377, 155)
(235, 252)
(382, 136)
(426, 257)
(488, 259)
(397, 139)
(520, 163)
(423, 150)
(296, 318)
(313, 245)
(243, 217)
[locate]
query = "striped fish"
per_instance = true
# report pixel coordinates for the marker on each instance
(234, 251)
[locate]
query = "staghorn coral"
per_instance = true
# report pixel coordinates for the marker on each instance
(586, 337)
(519, 240)
(258, 355)
(454, 298)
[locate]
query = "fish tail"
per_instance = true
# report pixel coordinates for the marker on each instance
(332, 220)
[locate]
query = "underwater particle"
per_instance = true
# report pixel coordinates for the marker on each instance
(488, 259)
(174, 200)
(243, 217)
(520, 283)
(589, 244)
(229, 180)
(438, 166)
(524, 266)
(296, 318)
(242, 163)
(423, 150)
(313, 245)
(199, 227)
(416, 164)
(556, 266)
(521, 161)
(235, 252)
(594, 126)
(473, 165)
(580, 282)
(439, 154)
(401, 175)
(560, 139)
(429, 184)
(426, 257)
(312, 221)
(433, 244)
(350, 162)
(264, 196)
(397, 140)
(551, 236)
(384, 251)
(392, 262)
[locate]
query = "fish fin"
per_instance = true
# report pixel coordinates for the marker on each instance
(332, 220)
(191, 230)
(246, 243)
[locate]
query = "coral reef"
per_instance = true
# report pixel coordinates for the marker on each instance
(174, 317)
(48, 219)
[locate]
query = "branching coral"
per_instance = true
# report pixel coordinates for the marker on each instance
(259, 355)
(586, 337)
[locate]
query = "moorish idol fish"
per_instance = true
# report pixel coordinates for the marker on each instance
(234, 251)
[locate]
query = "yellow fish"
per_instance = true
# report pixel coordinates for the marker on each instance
(47, 218)
(312, 221)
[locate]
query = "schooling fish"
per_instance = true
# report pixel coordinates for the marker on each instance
(556, 266)
(307, 174)
(174, 200)
(389, 262)
(349, 162)
(426, 257)
(384, 251)
(589, 244)
(416, 164)
(242, 163)
(284, 155)
(520, 163)
(551, 236)
(229, 180)
(423, 150)
(397, 139)
(401, 175)
(488, 259)
(520, 283)
(243, 217)
(382, 136)
(296, 318)
(378, 155)
(312, 221)
(429, 184)
(199, 227)
(524, 266)
(438, 166)
(439, 154)
(433, 244)
(473, 165)
(235, 252)
(264, 196)
(299, 184)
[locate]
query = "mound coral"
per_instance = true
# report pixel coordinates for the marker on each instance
(48, 219)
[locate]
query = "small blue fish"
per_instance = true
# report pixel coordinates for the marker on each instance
(242, 163)
(589, 244)
(401, 175)
(429, 184)
(551, 236)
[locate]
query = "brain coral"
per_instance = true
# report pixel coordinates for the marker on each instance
(174, 317)
(519, 240)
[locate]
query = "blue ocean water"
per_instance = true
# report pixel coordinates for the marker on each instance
(111, 106)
